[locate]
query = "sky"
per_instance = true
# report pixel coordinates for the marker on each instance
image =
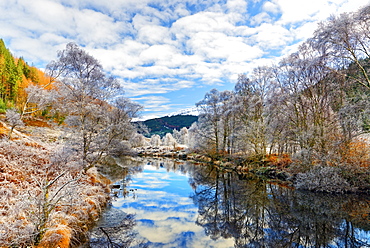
(167, 54)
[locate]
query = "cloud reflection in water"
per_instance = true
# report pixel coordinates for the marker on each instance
(165, 214)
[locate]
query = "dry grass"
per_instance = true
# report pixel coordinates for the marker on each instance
(36, 123)
(3, 131)
(24, 170)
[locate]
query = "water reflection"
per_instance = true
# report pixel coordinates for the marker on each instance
(178, 204)
(265, 215)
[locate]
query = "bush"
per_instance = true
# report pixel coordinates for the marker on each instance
(323, 179)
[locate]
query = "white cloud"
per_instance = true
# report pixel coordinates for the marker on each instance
(219, 46)
(154, 34)
(296, 11)
(237, 6)
(271, 7)
(158, 53)
(152, 103)
(260, 18)
(272, 36)
(156, 46)
(203, 22)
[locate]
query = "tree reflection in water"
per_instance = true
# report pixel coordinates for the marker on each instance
(115, 228)
(257, 214)
(114, 231)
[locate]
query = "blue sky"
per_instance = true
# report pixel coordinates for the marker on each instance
(166, 53)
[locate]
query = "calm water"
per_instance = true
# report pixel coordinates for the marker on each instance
(166, 204)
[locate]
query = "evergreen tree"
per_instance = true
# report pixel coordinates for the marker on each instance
(10, 75)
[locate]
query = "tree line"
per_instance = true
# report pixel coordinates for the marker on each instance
(311, 108)
(15, 76)
(312, 105)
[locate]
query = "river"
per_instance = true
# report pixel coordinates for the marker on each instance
(167, 203)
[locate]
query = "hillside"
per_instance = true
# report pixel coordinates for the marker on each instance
(15, 76)
(167, 124)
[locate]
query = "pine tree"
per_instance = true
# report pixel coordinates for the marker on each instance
(10, 75)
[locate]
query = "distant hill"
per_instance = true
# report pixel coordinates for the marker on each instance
(167, 124)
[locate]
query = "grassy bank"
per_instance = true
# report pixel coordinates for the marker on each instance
(45, 201)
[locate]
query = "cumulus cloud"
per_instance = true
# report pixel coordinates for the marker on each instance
(271, 7)
(157, 47)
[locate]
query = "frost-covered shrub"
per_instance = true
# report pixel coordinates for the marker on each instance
(323, 179)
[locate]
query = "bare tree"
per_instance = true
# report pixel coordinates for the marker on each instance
(96, 124)
(38, 98)
(169, 140)
(138, 140)
(181, 136)
(214, 120)
(14, 119)
(251, 98)
(155, 140)
(346, 40)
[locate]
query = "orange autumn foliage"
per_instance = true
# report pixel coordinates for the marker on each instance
(278, 160)
(356, 153)
(57, 236)
(34, 77)
(36, 123)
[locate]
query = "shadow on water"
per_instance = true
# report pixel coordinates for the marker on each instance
(246, 210)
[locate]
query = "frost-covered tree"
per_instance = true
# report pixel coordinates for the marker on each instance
(250, 106)
(177, 136)
(97, 126)
(346, 41)
(214, 120)
(184, 135)
(155, 140)
(195, 140)
(14, 119)
(138, 140)
(169, 140)
(38, 98)
(181, 136)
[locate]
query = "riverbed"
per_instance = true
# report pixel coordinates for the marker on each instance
(169, 203)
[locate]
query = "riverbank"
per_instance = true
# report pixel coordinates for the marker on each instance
(346, 174)
(45, 201)
(170, 198)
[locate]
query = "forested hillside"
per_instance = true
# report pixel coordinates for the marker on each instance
(167, 124)
(15, 76)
